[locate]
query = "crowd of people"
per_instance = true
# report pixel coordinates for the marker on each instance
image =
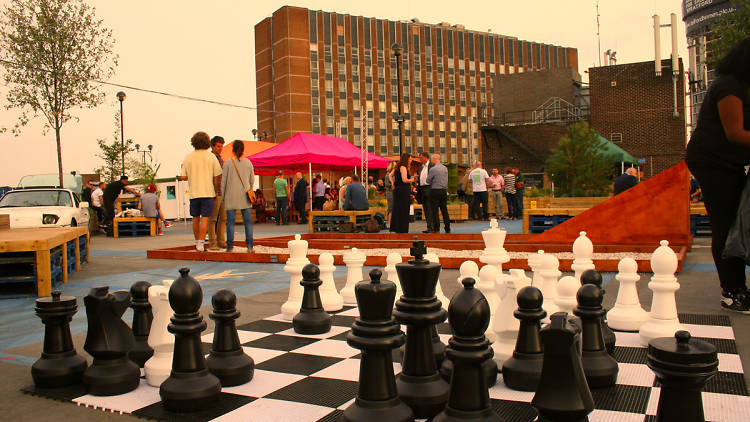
(477, 186)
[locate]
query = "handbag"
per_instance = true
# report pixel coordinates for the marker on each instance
(250, 192)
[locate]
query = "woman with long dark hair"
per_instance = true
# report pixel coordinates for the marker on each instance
(717, 154)
(401, 195)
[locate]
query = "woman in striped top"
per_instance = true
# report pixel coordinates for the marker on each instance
(510, 192)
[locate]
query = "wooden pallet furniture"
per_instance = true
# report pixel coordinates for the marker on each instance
(43, 255)
(329, 220)
(700, 223)
(133, 226)
(124, 202)
(538, 220)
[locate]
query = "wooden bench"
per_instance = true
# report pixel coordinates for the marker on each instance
(42, 255)
(700, 223)
(133, 226)
(124, 202)
(538, 220)
(329, 220)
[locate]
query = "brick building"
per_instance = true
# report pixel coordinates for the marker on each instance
(321, 72)
(635, 109)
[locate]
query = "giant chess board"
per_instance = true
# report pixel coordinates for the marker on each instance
(302, 378)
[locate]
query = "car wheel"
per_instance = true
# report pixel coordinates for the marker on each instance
(73, 223)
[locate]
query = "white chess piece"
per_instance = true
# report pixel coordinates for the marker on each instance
(627, 314)
(550, 274)
(486, 285)
(444, 301)
(494, 253)
(297, 260)
(329, 296)
(535, 264)
(391, 260)
(468, 269)
(567, 289)
(504, 329)
(158, 367)
(354, 260)
(583, 250)
(662, 320)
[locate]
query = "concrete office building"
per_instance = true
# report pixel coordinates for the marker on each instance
(336, 74)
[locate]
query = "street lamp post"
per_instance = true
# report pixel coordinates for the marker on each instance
(121, 97)
(400, 118)
(145, 151)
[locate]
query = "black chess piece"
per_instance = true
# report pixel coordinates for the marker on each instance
(59, 364)
(226, 359)
(109, 340)
(682, 365)
(190, 386)
(142, 317)
(311, 319)
(468, 348)
(600, 368)
(524, 369)
(563, 393)
(376, 333)
(595, 277)
(420, 385)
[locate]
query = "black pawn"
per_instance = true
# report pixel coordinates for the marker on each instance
(108, 341)
(420, 385)
(682, 365)
(59, 364)
(524, 369)
(376, 333)
(190, 386)
(594, 277)
(311, 319)
(226, 359)
(600, 368)
(468, 349)
(142, 317)
(563, 394)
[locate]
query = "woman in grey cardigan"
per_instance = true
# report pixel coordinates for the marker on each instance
(237, 178)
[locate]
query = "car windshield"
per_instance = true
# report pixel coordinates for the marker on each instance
(36, 198)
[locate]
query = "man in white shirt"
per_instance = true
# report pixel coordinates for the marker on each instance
(96, 201)
(202, 171)
(479, 179)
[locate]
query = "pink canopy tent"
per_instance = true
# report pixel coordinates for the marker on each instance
(304, 151)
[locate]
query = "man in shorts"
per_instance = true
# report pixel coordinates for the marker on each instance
(202, 171)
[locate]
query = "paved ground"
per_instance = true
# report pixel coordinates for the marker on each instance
(261, 289)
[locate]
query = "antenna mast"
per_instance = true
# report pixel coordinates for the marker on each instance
(598, 37)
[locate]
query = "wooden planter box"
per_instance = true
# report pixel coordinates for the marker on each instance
(458, 212)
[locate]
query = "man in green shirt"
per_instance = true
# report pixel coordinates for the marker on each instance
(281, 189)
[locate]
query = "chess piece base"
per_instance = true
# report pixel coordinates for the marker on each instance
(426, 396)
(141, 352)
(600, 369)
(290, 308)
(231, 368)
(503, 350)
(317, 322)
(655, 328)
(523, 371)
(455, 415)
(626, 318)
(489, 369)
(393, 410)
(58, 371)
(190, 392)
(158, 368)
(112, 377)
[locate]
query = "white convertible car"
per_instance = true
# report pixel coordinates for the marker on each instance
(44, 207)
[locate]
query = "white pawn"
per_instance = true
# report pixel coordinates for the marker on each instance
(583, 250)
(158, 367)
(662, 320)
(567, 289)
(486, 285)
(354, 260)
(444, 301)
(535, 264)
(627, 314)
(329, 296)
(391, 260)
(550, 274)
(297, 260)
(468, 269)
(504, 329)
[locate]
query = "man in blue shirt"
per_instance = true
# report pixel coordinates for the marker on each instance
(355, 196)
(437, 178)
(625, 181)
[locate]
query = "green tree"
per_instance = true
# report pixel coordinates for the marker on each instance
(53, 51)
(111, 153)
(578, 166)
(728, 30)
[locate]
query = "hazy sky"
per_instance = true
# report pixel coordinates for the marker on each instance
(206, 50)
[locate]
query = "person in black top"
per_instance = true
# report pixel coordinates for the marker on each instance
(111, 192)
(86, 194)
(300, 198)
(401, 195)
(625, 181)
(717, 153)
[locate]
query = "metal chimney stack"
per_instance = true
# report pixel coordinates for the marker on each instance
(657, 46)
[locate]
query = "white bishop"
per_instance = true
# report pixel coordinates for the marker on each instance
(583, 250)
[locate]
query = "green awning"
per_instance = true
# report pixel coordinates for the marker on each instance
(612, 150)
